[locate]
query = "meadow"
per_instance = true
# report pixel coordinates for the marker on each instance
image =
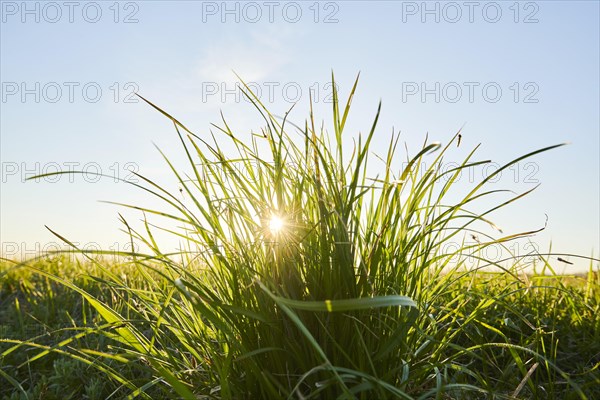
(304, 277)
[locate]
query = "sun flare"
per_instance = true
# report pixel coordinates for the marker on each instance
(276, 224)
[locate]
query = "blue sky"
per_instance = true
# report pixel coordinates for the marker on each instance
(518, 75)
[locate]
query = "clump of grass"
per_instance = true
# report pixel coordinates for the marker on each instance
(304, 277)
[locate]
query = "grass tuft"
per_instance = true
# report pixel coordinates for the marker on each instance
(302, 276)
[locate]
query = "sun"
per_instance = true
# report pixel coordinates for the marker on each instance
(276, 224)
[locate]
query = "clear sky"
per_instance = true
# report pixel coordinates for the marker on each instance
(518, 75)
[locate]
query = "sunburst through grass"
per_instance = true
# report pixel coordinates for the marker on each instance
(319, 281)
(276, 225)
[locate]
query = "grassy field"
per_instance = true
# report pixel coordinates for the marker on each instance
(553, 323)
(304, 278)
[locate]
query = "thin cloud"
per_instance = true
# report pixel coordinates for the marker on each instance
(257, 57)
